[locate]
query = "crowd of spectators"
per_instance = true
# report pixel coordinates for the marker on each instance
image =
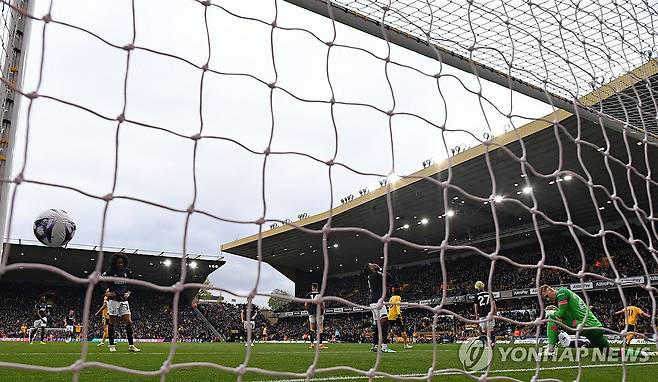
(151, 312)
(425, 281)
(153, 318)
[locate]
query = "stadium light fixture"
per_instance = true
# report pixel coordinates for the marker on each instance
(166, 263)
(406, 226)
(193, 264)
(450, 213)
(551, 182)
(498, 198)
(397, 218)
(516, 184)
(455, 198)
(527, 190)
(567, 177)
(639, 143)
(423, 221)
(335, 245)
(601, 208)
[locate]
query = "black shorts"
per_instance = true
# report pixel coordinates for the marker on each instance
(632, 328)
(397, 324)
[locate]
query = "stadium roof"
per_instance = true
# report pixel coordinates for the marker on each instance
(421, 196)
(162, 268)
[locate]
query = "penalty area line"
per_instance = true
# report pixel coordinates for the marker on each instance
(439, 373)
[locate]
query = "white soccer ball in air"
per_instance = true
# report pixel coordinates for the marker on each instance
(54, 228)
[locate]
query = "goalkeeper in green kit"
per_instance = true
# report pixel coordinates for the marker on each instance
(572, 311)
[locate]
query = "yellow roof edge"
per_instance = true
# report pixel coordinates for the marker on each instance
(623, 82)
(466, 155)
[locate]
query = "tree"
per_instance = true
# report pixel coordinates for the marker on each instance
(204, 294)
(277, 303)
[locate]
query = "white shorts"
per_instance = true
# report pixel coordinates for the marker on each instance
(69, 328)
(42, 323)
(488, 325)
(378, 313)
(312, 318)
(118, 308)
(564, 339)
(249, 325)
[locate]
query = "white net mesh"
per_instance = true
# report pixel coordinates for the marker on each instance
(595, 55)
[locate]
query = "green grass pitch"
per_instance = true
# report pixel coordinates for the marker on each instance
(286, 357)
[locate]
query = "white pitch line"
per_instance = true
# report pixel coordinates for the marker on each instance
(438, 373)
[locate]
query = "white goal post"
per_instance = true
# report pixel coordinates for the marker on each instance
(14, 38)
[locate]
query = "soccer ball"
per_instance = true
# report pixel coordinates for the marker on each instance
(54, 228)
(479, 285)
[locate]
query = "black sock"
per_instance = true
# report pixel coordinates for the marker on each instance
(129, 333)
(385, 330)
(375, 335)
(110, 333)
(319, 337)
(43, 333)
(312, 336)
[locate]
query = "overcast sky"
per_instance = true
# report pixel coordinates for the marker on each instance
(75, 148)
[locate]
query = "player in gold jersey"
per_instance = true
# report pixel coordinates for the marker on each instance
(631, 314)
(395, 316)
(23, 331)
(104, 312)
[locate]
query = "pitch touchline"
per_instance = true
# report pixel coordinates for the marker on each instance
(438, 373)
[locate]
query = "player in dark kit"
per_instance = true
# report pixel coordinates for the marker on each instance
(42, 311)
(69, 322)
(249, 322)
(374, 276)
(117, 294)
(484, 304)
(313, 323)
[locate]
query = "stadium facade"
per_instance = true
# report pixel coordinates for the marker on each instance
(543, 153)
(160, 268)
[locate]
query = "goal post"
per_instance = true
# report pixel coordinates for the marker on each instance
(15, 36)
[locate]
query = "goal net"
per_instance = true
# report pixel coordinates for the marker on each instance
(509, 142)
